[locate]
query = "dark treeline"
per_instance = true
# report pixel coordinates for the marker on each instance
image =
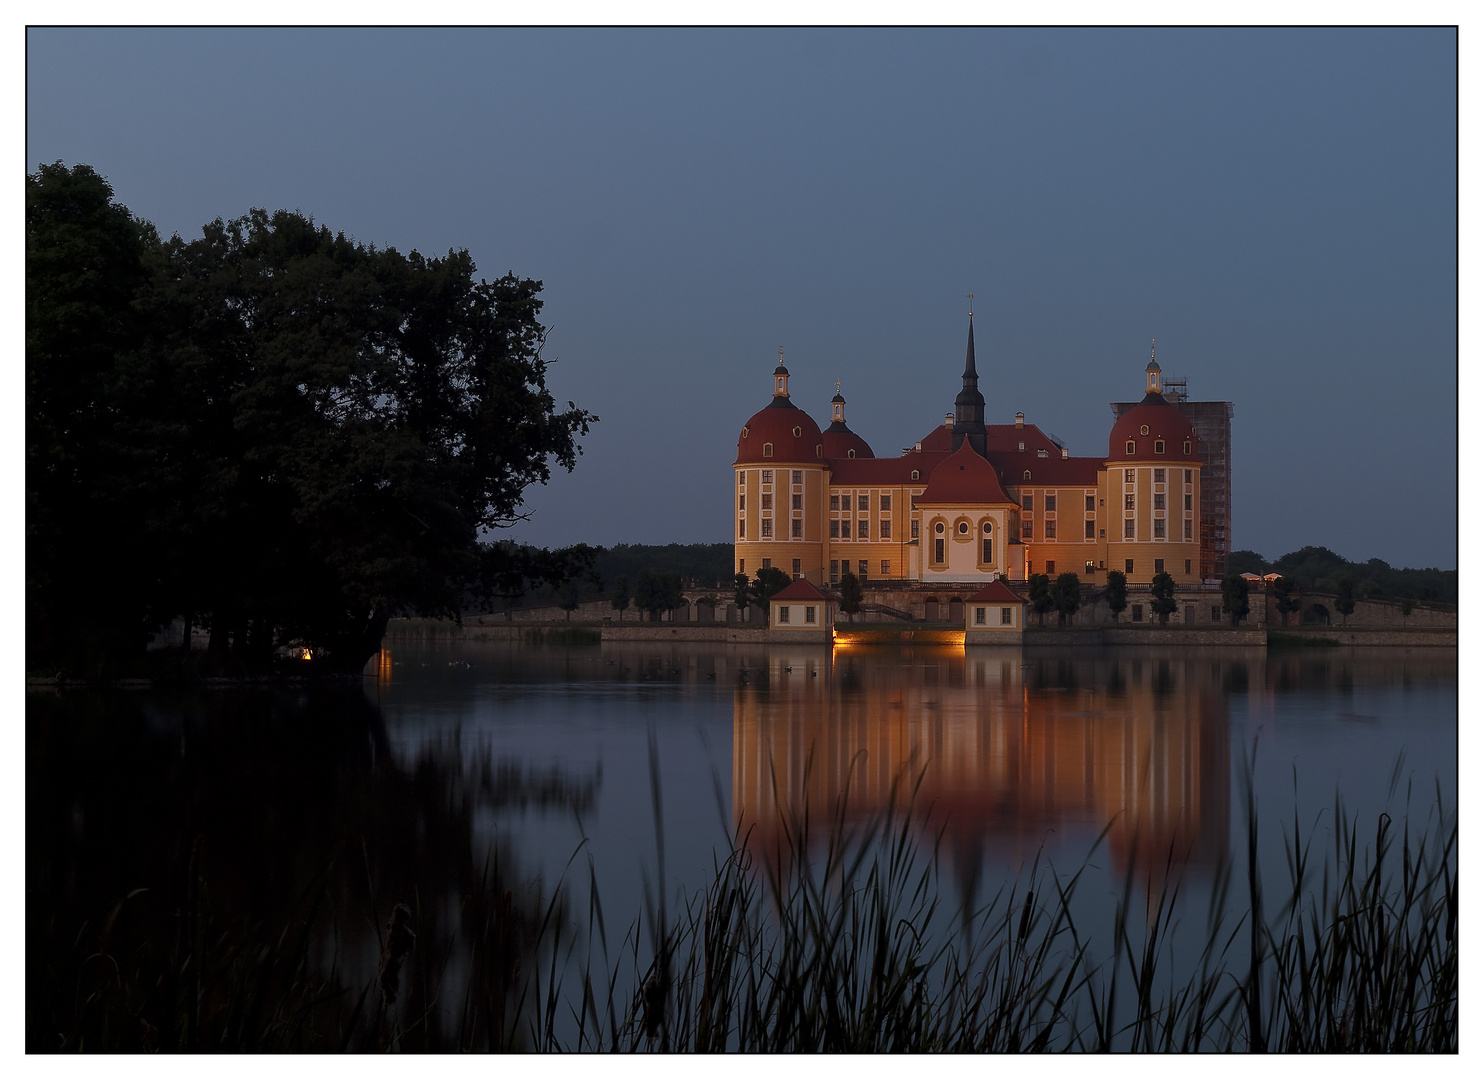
(272, 430)
(1320, 569)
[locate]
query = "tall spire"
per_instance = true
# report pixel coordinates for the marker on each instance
(968, 407)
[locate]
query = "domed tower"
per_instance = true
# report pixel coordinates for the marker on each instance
(778, 485)
(839, 440)
(1154, 489)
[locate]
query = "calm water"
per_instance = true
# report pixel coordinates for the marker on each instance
(457, 756)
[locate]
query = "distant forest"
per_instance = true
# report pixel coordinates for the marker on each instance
(1320, 569)
(699, 566)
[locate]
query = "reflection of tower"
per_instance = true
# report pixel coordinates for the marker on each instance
(1001, 755)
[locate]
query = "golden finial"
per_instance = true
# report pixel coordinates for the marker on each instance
(971, 305)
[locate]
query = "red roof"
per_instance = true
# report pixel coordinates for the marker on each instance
(963, 478)
(776, 425)
(1050, 471)
(864, 471)
(838, 444)
(1164, 421)
(996, 592)
(799, 589)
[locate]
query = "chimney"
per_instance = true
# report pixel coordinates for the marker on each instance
(1020, 419)
(1064, 453)
(948, 420)
(917, 448)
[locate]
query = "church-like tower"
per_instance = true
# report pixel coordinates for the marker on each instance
(968, 407)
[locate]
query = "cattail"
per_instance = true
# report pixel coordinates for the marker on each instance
(399, 939)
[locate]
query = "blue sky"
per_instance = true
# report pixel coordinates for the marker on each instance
(1276, 207)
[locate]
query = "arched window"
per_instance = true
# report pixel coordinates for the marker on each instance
(818, 450)
(1129, 448)
(1026, 475)
(850, 453)
(986, 543)
(915, 474)
(1159, 446)
(767, 449)
(1187, 446)
(1144, 429)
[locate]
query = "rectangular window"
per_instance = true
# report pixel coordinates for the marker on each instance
(1189, 525)
(741, 566)
(987, 550)
(1138, 613)
(808, 614)
(1089, 529)
(863, 502)
(886, 528)
(1159, 566)
(742, 528)
(834, 502)
(979, 617)
(1215, 612)
(1159, 501)
(783, 613)
(741, 479)
(741, 502)
(767, 563)
(1159, 476)
(1050, 503)
(1128, 528)
(797, 567)
(834, 530)
(1051, 530)
(938, 550)
(767, 502)
(1091, 504)
(1128, 566)
(1128, 476)
(767, 476)
(798, 476)
(915, 527)
(863, 568)
(1128, 501)
(863, 529)
(798, 502)
(1087, 566)
(1025, 529)
(1050, 566)
(1187, 476)
(886, 568)
(834, 569)
(798, 529)
(1007, 617)
(1187, 502)
(1159, 528)
(767, 526)
(886, 502)
(1028, 503)
(1187, 566)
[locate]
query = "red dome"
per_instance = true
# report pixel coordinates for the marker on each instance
(1150, 421)
(776, 426)
(839, 441)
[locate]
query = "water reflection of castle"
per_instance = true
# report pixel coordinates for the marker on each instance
(1011, 747)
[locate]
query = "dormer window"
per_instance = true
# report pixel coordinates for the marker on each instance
(798, 432)
(1187, 446)
(818, 450)
(1040, 453)
(767, 449)
(850, 453)
(1159, 446)
(915, 474)
(1129, 448)
(1026, 475)
(1144, 429)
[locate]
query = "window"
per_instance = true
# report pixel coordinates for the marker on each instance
(979, 617)
(1128, 501)
(886, 502)
(1128, 528)
(863, 502)
(1187, 476)
(938, 550)
(834, 502)
(1088, 567)
(741, 502)
(834, 530)
(834, 570)
(963, 528)
(767, 563)
(767, 502)
(767, 476)
(797, 567)
(986, 550)
(767, 449)
(1091, 504)
(1026, 475)
(1187, 446)
(1028, 503)
(1159, 566)
(1215, 612)
(1102, 534)
(798, 528)
(1128, 566)
(1050, 566)
(863, 569)
(767, 526)
(798, 502)
(1159, 446)
(741, 479)
(1089, 528)
(1159, 528)
(1050, 503)
(885, 528)
(1187, 502)
(808, 614)
(1159, 500)
(915, 529)
(1128, 476)
(1025, 530)
(916, 475)
(1159, 476)
(1128, 448)
(1188, 525)
(1051, 530)
(741, 566)
(938, 528)
(797, 432)
(886, 568)
(987, 528)
(783, 613)
(798, 473)
(1187, 566)
(1143, 429)
(742, 529)
(1006, 616)
(850, 453)
(1138, 613)
(863, 529)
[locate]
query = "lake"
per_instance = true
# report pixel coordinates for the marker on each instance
(515, 774)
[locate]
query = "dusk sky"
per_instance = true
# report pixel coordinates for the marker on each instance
(1276, 207)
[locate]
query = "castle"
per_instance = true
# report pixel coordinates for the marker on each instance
(970, 502)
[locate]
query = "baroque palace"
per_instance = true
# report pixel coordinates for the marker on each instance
(970, 502)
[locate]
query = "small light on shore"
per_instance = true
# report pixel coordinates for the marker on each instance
(306, 654)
